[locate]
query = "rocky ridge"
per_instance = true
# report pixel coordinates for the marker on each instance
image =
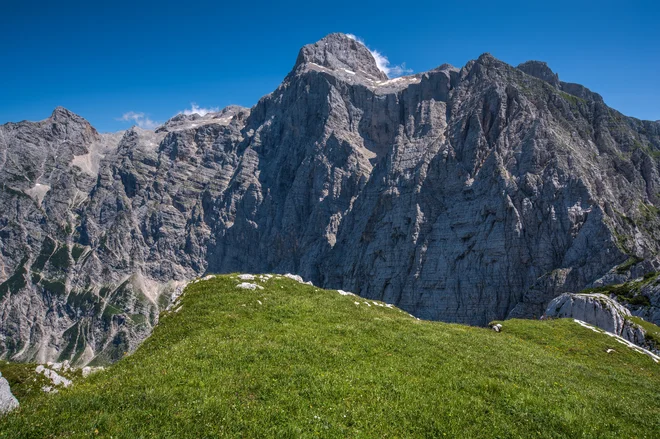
(464, 195)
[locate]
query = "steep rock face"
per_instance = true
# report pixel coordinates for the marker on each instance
(462, 195)
(600, 311)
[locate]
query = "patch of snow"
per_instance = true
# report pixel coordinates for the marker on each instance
(345, 293)
(407, 80)
(349, 72)
(319, 66)
(586, 325)
(246, 277)
(357, 303)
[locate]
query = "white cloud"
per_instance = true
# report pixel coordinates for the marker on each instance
(382, 62)
(195, 109)
(140, 120)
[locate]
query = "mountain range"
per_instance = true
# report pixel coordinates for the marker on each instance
(463, 195)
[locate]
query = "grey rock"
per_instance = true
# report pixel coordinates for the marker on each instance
(464, 195)
(540, 69)
(340, 52)
(598, 310)
(8, 401)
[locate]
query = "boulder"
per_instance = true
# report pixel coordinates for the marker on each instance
(598, 310)
(8, 401)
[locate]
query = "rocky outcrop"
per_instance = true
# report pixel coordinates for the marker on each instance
(601, 311)
(597, 309)
(8, 401)
(465, 195)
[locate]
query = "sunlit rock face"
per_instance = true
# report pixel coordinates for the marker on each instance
(463, 195)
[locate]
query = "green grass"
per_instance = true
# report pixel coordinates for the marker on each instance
(652, 331)
(25, 383)
(16, 282)
(623, 268)
(629, 292)
(310, 363)
(76, 252)
(573, 100)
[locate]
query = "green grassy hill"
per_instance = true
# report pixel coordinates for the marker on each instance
(293, 360)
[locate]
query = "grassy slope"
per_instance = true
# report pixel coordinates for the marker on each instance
(309, 362)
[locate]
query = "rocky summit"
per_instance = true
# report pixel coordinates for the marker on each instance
(459, 194)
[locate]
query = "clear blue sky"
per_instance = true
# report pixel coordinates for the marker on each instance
(104, 59)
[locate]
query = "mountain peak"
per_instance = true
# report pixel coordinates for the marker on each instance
(60, 113)
(540, 70)
(194, 120)
(340, 51)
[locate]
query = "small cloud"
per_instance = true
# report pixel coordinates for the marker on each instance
(384, 65)
(139, 119)
(195, 109)
(382, 62)
(399, 70)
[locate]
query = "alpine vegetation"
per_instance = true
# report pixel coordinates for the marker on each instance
(293, 360)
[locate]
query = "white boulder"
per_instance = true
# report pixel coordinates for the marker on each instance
(8, 401)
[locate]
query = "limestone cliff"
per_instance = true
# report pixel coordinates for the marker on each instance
(464, 195)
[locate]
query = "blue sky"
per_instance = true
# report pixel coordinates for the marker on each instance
(103, 60)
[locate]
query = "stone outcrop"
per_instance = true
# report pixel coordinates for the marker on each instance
(8, 401)
(465, 195)
(597, 309)
(601, 311)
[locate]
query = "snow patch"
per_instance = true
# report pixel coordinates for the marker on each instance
(403, 80)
